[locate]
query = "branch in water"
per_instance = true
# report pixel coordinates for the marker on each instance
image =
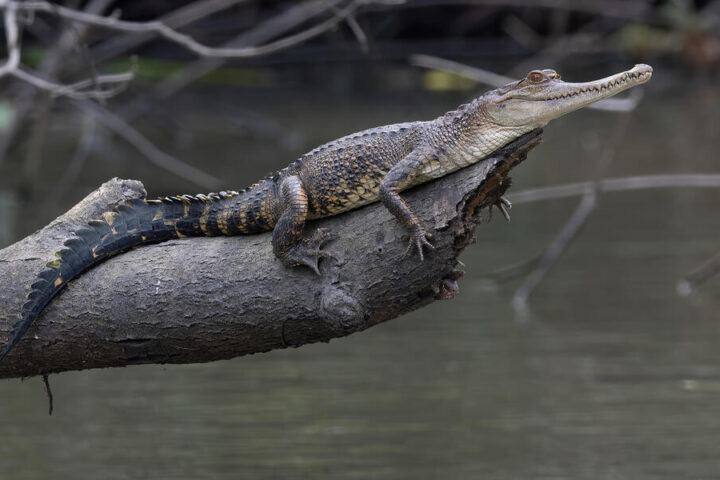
(204, 299)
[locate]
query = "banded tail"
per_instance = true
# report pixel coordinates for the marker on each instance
(130, 224)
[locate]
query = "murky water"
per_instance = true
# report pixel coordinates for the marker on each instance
(610, 376)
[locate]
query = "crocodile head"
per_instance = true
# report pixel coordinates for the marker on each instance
(541, 96)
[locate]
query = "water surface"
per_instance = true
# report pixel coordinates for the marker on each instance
(610, 376)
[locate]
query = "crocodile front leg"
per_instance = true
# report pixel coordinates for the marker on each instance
(288, 243)
(405, 174)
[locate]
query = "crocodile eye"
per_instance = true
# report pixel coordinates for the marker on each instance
(536, 77)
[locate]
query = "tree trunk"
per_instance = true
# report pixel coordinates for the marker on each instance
(204, 299)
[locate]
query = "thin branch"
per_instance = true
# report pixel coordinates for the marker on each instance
(12, 40)
(521, 32)
(576, 221)
(513, 271)
(697, 277)
(148, 149)
(639, 10)
(278, 25)
(12, 66)
(622, 184)
(554, 250)
(688, 180)
(283, 22)
(496, 80)
(27, 95)
(358, 32)
(184, 15)
(585, 40)
(460, 69)
(186, 41)
(77, 90)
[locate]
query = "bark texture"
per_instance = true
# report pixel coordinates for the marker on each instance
(204, 299)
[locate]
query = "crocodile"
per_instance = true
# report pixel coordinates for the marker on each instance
(344, 174)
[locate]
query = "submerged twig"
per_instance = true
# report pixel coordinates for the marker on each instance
(642, 182)
(555, 250)
(574, 224)
(607, 185)
(511, 272)
(700, 275)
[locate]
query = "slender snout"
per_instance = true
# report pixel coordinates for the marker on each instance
(542, 96)
(578, 95)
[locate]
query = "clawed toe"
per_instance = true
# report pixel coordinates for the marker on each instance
(308, 252)
(419, 241)
(502, 204)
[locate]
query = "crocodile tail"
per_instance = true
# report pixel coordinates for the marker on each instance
(130, 224)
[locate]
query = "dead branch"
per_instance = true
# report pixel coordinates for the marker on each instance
(688, 180)
(280, 24)
(104, 86)
(78, 90)
(574, 224)
(638, 10)
(554, 250)
(205, 299)
(164, 31)
(26, 97)
(13, 68)
(709, 269)
(184, 15)
(607, 185)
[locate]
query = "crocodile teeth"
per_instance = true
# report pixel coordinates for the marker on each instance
(607, 86)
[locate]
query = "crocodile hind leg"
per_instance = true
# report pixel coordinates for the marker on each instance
(288, 243)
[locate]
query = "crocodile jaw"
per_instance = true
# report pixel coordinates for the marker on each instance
(535, 105)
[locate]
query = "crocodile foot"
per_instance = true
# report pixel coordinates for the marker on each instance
(308, 251)
(502, 204)
(419, 239)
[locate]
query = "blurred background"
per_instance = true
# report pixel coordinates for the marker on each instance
(584, 343)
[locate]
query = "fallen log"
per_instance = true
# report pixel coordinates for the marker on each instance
(204, 299)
